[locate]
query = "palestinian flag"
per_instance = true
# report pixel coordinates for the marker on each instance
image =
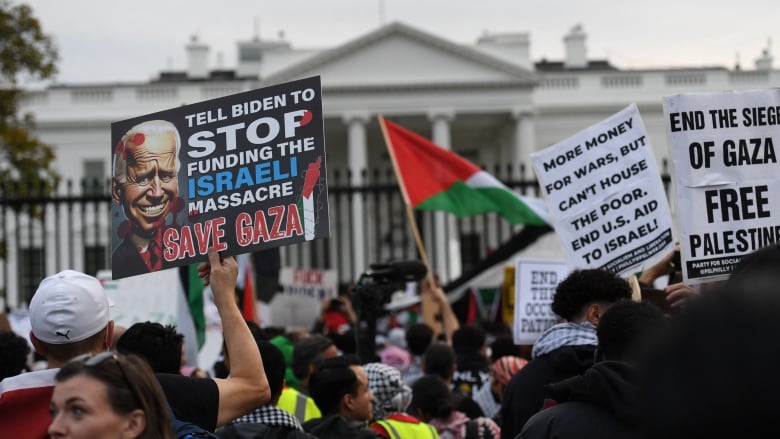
(246, 284)
(192, 290)
(433, 178)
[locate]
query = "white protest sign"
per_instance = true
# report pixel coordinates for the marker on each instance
(150, 297)
(606, 197)
(535, 283)
(156, 297)
(726, 175)
(315, 283)
(293, 312)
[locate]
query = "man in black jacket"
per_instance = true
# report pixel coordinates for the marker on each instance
(603, 402)
(340, 390)
(566, 349)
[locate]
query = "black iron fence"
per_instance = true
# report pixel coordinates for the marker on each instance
(68, 225)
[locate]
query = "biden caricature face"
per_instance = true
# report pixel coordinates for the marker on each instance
(149, 186)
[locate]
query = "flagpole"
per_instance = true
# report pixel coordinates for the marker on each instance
(408, 208)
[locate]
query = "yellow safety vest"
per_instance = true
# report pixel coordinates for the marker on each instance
(402, 430)
(298, 405)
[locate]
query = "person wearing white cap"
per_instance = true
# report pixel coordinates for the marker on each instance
(68, 317)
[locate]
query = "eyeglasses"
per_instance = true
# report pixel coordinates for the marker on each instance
(91, 361)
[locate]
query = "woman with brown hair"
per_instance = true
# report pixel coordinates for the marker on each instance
(108, 395)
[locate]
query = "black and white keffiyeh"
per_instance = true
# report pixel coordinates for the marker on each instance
(565, 334)
(272, 416)
(484, 398)
(390, 393)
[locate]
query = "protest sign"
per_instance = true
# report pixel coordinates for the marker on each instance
(301, 303)
(725, 171)
(606, 197)
(312, 282)
(138, 299)
(293, 313)
(240, 173)
(535, 284)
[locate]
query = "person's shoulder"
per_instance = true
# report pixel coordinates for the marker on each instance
(570, 359)
(176, 379)
(251, 430)
(540, 424)
(348, 429)
(366, 433)
(174, 384)
(380, 430)
(194, 400)
(29, 380)
(295, 434)
(24, 404)
(574, 419)
(316, 424)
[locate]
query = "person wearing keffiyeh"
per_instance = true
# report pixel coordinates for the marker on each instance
(268, 420)
(391, 397)
(489, 396)
(566, 349)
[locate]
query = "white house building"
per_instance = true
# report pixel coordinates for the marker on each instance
(487, 101)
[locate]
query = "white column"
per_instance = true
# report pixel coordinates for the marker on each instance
(447, 251)
(525, 137)
(10, 224)
(357, 155)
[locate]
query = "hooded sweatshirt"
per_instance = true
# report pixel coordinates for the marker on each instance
(564, 351)
(600, 403)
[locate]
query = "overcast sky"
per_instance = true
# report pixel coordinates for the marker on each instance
(110, 41)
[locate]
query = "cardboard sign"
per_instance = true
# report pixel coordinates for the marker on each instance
(314, 283)
(293, 312)
(606, 196)
(726, 176)
(535, 283)
(241, 173)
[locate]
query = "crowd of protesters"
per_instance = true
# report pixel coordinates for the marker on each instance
(702, 364)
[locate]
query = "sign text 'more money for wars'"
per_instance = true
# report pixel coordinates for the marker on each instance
(605, 194)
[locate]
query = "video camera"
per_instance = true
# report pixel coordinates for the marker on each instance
(376, 286)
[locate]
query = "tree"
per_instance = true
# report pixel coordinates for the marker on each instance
(25, 53)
